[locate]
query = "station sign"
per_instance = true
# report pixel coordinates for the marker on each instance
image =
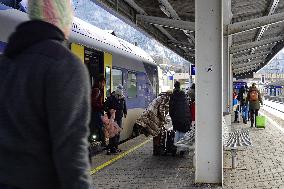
(192, 69)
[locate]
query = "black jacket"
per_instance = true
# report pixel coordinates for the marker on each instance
(179, 111)
(117, 104)
(44, 112)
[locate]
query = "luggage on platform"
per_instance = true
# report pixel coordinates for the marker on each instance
(260, 122)
(163, 143)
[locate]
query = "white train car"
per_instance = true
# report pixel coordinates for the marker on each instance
(103, 53)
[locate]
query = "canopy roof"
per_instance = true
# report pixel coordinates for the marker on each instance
(256, 29)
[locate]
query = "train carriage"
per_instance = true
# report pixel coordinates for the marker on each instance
(103, 53)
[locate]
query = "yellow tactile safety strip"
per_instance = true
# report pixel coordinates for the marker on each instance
(118, 157)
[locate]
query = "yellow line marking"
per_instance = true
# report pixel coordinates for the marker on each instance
(118, 157)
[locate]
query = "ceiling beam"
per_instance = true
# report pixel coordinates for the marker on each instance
(248, 68)
(237, 66)
(248, 46)
(166, 22)
(247, 25)
(174, 15)
(251, 56)
(184, 44)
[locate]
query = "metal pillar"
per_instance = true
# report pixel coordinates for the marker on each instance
(231, 90)
(227, 42)
(209, 45)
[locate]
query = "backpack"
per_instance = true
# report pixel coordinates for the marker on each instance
(253, 95)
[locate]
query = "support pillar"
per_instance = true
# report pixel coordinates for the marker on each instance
(209, 45)
(231, 90)
(227, 42)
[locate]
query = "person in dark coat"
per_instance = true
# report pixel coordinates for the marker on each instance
(254, 99)
(44, 104)
(242, 95)
(179, 112)
(97, 100)
(116, 101)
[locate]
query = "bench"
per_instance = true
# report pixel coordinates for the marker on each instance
(235, 140)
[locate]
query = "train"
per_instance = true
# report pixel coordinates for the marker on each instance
(103, 53)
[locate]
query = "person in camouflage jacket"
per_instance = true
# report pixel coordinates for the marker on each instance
(154, 117)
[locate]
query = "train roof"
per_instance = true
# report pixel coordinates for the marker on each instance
(82, 33)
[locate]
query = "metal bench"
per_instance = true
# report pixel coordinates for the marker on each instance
(234, 141)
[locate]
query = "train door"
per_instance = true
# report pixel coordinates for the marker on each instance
(107, 73)
(97, 62)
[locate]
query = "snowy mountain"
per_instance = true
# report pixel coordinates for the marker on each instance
(93, 14)
(276, 65)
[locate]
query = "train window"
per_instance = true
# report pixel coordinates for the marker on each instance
(117, 78)
(131, 85)
(108, 80)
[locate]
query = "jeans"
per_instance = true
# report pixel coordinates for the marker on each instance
(245, 112)
(178, 135)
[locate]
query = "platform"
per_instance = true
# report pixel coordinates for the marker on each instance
(137, 168)
(264, 161)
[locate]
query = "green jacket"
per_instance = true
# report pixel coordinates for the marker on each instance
(254, 105)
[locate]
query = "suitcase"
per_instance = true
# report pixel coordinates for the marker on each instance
(163, 143)
(170, 147)
(159, 142)
(260, 122)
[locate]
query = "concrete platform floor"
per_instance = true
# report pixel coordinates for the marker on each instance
(137, 168)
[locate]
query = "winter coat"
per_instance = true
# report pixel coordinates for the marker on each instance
(44, 111)
(154, 117)
(97, 98)
(179, 111)
(242, 95)
(117, 104)
(254, 105)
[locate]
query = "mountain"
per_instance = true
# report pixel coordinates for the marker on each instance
(95, 15)
(276, 65)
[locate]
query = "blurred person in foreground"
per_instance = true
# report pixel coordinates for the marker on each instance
(44, 104)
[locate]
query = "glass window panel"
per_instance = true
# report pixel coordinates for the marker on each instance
(108, 80)
(117, 78)
(131, 85)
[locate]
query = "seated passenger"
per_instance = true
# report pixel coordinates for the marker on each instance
(44, 104)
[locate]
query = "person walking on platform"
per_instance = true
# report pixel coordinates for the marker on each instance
(97, 100)
(254, 99)
(179, 112)
(116, 102)
(243, 103)
(44, 104)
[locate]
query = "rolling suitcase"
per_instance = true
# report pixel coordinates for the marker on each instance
(170, 147)
(159, 142)
(260, 122)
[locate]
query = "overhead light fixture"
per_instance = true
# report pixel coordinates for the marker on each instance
(164, 10)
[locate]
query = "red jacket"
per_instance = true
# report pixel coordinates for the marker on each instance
(97, 100)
